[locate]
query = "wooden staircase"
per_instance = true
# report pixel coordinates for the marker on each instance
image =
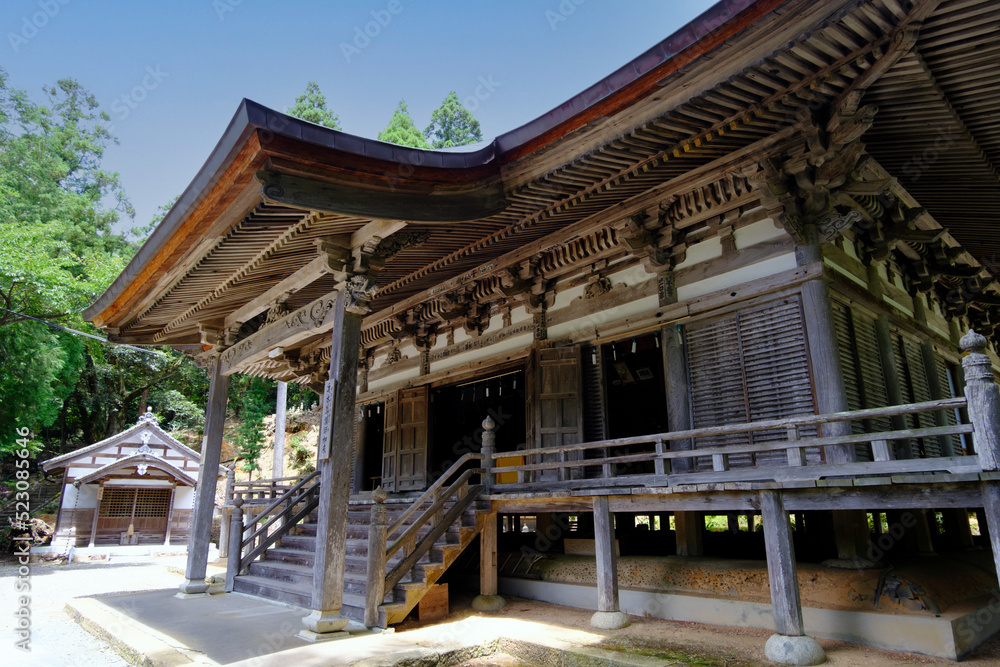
(284, 571)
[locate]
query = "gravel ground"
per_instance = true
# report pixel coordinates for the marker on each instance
(56, 640)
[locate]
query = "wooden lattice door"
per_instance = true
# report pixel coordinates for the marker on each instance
(145, 509)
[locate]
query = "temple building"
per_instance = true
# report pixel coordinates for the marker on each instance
(729, 280)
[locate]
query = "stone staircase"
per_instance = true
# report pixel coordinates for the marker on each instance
(284, 572)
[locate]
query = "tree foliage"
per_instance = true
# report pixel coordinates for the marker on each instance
(401, 130)
(53, 189)
(311, 106)
(452, 125)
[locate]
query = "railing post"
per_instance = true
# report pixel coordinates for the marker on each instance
(796, 456)
(375, 589)
(488, 451)
(235, 557)
(983, 398)
(230, 484)
(660, 464)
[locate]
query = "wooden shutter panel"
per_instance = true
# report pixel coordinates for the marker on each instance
(947, 379)
(750, 366)
(559, 417)
(717, 388)
(594, 424)
(861, 365)
(913, 385)
(776, 367)
(411, 442)
(389, 445)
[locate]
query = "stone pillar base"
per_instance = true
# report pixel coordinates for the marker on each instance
(488, 603)
(193, 588)
(315, 637)
(609, 620)
(788, 650)
(325, 622)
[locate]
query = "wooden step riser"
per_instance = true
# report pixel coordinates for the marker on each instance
(286, 597)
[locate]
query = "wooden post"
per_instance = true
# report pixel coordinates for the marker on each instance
(335, 475)
(688, 529)
(678, 399)
(782, 574)
(97, 513)
(375, 589)
(235, 549)
(278, 464)
(170, 514)
(208, 478)
(488, 599)
(488, 452)
(227, 513)
(607, 616)
(983, 398)
(831, 395)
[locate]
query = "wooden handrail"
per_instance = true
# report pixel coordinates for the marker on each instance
(280, 499)
(780, 445)
(295, 517)
(472, 456)
(750, 427)
(429, 512)
(428, 541)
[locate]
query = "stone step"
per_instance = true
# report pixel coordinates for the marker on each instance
(282, 571)
(290, 556)
(297, 594)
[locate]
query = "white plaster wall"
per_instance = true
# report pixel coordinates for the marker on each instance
(702, 252)
(395, 378)
(737, 277)
(758, 232)
(184, 498)
(567, 297)
(81, 498)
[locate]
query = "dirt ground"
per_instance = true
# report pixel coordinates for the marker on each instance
(57, 640)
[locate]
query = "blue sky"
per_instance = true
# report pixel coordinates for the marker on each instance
(171, 74)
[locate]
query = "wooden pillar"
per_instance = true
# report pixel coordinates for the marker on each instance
(375, 588)
(831, 395)
(97, 513)
(607, 616)
(983, 398)
(234, 548)
(334, 450)
(678, 393)
(788, 645)
(488, 599)
(688, 529)
(208, 477)
(170, 513)
(278, 465)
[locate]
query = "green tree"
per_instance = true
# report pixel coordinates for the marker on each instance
(58, 250)
(311, 106)
(452, 125)
(250, 399)
(401, 130)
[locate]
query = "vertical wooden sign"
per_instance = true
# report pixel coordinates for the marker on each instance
(326, 422)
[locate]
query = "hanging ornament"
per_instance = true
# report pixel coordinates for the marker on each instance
(656, 337)
(633, 344)
(593, 355)
(487, 390)
(515, 383)
(614, 352)
(378, 408)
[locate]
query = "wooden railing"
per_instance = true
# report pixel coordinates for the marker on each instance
(437, 518)
(615, 460)
(247, 542)
(262, 492)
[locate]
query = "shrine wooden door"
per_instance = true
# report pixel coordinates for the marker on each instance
(558, 416)
(411, 447)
